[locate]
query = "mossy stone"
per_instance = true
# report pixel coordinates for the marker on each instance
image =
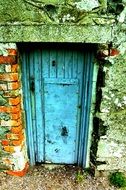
(3, 101)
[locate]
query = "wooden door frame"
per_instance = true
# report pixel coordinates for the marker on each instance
(83, 154)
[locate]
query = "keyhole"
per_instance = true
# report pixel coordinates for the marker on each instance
(53, 63)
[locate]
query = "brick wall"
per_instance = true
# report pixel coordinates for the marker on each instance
(13, 155)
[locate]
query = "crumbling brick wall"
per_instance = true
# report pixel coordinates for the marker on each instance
(12, 137)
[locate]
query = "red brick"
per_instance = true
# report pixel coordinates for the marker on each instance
(114, 52)
(16, 116)
(14, 68)
(9, 149)
(15, 101)
(13, 85)
(7, 59)
(5, 142)
(17, 143)
(12, 51)
(12, 109)
(15, 109)
(11, 136)
(3, 109)
(19, 173)
(19, 136)
(9, 77)
(16, 130)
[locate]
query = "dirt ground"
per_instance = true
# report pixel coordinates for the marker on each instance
(61, 178)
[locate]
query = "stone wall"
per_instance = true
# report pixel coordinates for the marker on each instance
(112, 142)
(98, 21)
(12, 138)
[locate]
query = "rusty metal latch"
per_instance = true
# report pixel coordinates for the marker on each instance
(32, 84)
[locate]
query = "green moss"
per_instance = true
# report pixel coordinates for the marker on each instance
(4, 116)
(118, 179)
(3, 131)
(3, 101)
(2, 67)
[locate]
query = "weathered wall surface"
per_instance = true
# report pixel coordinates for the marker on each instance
(54, 20)
(112, 144)
(50, 11)
(13, 154)
(97, 21)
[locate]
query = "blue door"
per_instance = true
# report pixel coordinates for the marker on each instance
(57, 91)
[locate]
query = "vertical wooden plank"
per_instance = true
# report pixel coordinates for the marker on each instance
(79, 61)
(84, 107)
(81, 139)
(75, 64)
(86, 97)
(80, 72)
(60, 64)
(88, 94)
(31, 66)
(68, 60)
(53, 63)
(45, 62)
(27, 100)
(38, 108)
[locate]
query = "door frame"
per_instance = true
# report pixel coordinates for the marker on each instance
(86, 121)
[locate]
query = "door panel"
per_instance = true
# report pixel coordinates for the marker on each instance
(57, 83)
(61, 105)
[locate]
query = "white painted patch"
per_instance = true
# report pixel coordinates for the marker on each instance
(122, 16)
(103, 137)
(116, 101)
(8, 68)
(68, 17)
(18, 159)
(112, 95)
(105, 110)
(124, 100)
(5, 46)
(105, 69)
(87, 5)
(119, 105)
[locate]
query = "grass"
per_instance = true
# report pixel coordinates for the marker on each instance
(79, 177)
(118, 179)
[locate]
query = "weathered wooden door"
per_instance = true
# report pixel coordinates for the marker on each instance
(55, 80)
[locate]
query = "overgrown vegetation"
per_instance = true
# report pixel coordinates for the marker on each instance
(118, 179)
(79, 177)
